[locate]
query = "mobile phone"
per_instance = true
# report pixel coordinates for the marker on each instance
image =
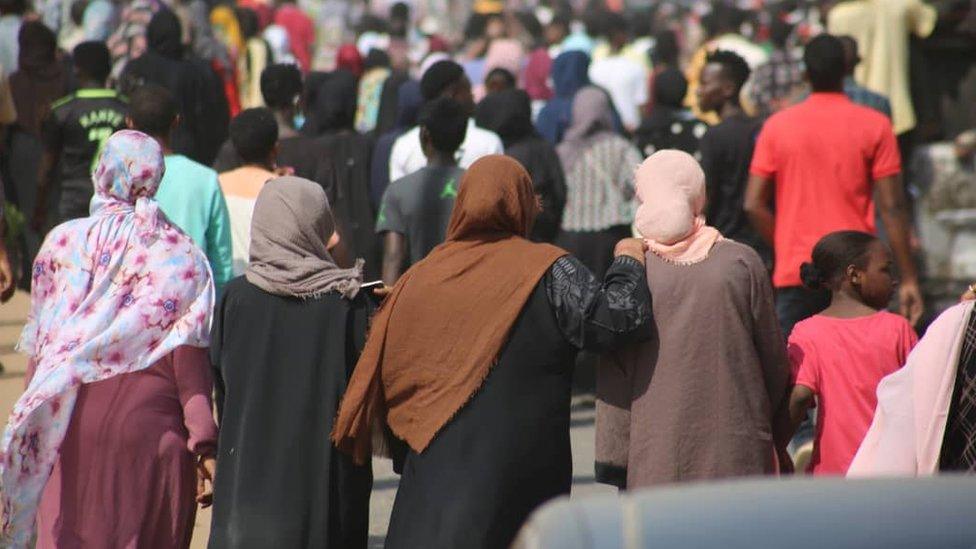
(371, 285)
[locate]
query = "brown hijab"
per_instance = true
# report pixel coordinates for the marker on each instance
(438, 334)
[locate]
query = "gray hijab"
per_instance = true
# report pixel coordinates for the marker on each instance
(592, 121)
(290, 230)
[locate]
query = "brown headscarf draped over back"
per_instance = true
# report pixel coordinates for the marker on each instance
(438, 334)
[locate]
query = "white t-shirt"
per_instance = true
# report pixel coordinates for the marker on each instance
(626, 81)
(407, 155)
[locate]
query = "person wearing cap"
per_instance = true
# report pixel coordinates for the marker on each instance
(444, 79)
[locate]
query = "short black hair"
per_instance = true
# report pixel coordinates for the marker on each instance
(446, 121)
(614, 22)
(77, 12)
(152, 109)
(93, 59)
(439, 77)
(734, 67)
(254, 133)
(666, 49)
(833, 254)
(506, 74)
(280, 85)
(249, 21)
(825, 62)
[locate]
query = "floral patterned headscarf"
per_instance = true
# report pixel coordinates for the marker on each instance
(112, 294)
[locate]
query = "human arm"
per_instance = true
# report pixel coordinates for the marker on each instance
(801, 400)
(600, 315)
(7, 287)
(758, 206)
(51, 138)
(191, 371)
(893, 208)
(219, 251)
(394, 256)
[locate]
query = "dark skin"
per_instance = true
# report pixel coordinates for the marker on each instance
(859, 291)
(395, 244)
(717, 92)
(889, 197)
(49, 160)
(286, 121)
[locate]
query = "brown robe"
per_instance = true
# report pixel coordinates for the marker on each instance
(698, 400)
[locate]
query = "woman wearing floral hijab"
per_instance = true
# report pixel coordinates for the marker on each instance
(115, 427)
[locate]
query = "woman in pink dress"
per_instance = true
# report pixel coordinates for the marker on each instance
(112, 441)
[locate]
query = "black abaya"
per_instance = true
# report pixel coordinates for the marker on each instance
(281, 367)
(508, 451)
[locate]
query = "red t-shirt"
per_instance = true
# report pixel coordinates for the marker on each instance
(301, 33)
(824, 155)
(842, 360)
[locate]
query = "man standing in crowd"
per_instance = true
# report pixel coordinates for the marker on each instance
(73, 133)
(726, 148)
(416, 209)
(189, 193)
(444, 79)
(624, 79)
(254, 134)
(825, 160)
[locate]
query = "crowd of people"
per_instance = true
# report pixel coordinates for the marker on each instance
(249, 276)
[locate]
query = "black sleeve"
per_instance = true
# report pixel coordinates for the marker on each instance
(710, 165)
(599, 316)
(216, 347)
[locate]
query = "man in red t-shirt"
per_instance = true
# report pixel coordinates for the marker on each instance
(826, 161)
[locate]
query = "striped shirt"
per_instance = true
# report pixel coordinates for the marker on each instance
(600, 186)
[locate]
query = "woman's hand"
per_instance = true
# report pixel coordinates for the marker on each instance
(206, 470)
(631, 247)
(970, 294)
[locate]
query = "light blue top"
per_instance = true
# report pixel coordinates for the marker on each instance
(191, 198)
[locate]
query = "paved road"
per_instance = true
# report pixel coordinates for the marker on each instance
(13, 315)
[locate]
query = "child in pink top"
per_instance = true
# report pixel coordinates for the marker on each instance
(840, 355)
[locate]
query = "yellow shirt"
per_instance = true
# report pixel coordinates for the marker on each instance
(881, 29)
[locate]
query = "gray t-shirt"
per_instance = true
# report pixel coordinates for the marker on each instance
(419, 206)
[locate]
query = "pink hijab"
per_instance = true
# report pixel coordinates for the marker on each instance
(671, 192)
(905, 438)
(503, 53)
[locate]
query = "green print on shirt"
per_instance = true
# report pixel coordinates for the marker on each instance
(450, 188)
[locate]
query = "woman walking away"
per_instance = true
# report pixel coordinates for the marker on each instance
(599, 167)
(706, 398)
(281, 481)
(840, 355)
(118, 395)
(509, 114)
(469, 361)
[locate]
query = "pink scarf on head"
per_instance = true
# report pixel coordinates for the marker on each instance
(671, 192)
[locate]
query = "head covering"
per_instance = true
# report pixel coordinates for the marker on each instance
(570, 73)
(112, 294)
(348, 58)
(536, 75)
(504, 53)
(413, 374)
(40, 78)
(592, 120)
(909, 426)
(277, 38)
(226, 26)
(164, 35)
(508, 113)
(671, 216)
(334, 104)
(438, 77)
(290, 229)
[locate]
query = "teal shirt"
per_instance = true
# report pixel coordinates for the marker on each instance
(191, 198)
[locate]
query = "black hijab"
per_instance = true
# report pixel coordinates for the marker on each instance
(333, 106)
(164, 35)
(507, 113)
